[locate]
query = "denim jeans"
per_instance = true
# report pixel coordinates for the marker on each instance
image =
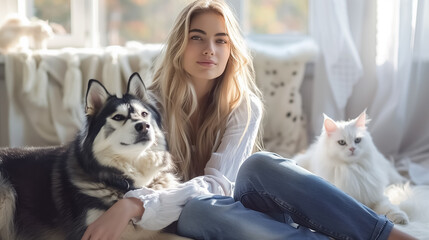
(276, 199)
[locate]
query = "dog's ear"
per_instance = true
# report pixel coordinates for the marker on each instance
(96, 96)
(136, 86)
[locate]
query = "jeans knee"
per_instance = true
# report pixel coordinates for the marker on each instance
(264, 168)
(261, 162)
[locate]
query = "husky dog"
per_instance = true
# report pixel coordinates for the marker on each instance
(56, 192)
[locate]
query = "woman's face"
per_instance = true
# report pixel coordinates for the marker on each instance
(208, 48)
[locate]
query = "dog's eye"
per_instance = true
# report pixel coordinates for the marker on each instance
(357, 140)
(144, 114)
(342, 142)
(118, 117)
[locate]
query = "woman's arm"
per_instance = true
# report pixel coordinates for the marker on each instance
(112, 223)
(150, 209)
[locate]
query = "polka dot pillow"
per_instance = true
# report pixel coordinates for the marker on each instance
(279, 74)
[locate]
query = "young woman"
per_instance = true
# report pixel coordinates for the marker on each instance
(205, 87)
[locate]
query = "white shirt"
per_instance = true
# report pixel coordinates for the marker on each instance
(220, 172)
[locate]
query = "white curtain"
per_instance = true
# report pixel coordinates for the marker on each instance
(339, 66)
(389, 76)
(400, 109)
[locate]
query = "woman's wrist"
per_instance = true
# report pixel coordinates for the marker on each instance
(133, 207)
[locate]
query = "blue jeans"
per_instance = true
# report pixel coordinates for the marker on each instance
(276, 199)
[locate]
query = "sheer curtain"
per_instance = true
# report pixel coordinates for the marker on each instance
(339, 66)
(389, 76)
(400, 109)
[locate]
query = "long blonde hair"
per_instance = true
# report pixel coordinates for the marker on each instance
(177, 95)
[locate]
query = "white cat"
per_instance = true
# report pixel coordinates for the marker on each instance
(346, 156)
(20, 33)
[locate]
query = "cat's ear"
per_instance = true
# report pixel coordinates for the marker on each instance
(329, 125)
(361, 120)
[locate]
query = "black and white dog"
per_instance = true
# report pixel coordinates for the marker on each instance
(56, 192)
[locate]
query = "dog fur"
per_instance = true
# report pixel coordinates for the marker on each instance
(56, 192)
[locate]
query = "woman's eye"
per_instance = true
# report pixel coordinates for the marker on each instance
(221, 41)
(342, 142)
(196, 38)
(118, 117)
(357, 140)
(144, 114)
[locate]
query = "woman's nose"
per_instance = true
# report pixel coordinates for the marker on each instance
(209, 50)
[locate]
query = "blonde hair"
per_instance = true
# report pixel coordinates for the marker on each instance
(177, 96)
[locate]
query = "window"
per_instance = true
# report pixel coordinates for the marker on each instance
(57, 12)
(276, 17)
(68, 19)
(82, 23)
(150, 20)
(142, 20)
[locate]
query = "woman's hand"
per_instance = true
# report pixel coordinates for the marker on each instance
(112, 223)
(162, 207)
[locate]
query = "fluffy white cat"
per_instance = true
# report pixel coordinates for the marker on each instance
(20, 33)
(345, 155)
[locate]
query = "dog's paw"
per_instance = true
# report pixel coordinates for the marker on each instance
(398, 217)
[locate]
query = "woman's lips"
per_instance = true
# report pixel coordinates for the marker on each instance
(206, 63)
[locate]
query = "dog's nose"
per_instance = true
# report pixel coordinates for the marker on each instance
(142, 127)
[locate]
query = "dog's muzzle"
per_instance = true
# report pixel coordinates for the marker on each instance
(142, 129)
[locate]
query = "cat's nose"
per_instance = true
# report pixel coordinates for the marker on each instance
(352, 149)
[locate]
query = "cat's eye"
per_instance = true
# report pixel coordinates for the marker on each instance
(118, 117)
(342, 142)
(144, 114)
(357, 140)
